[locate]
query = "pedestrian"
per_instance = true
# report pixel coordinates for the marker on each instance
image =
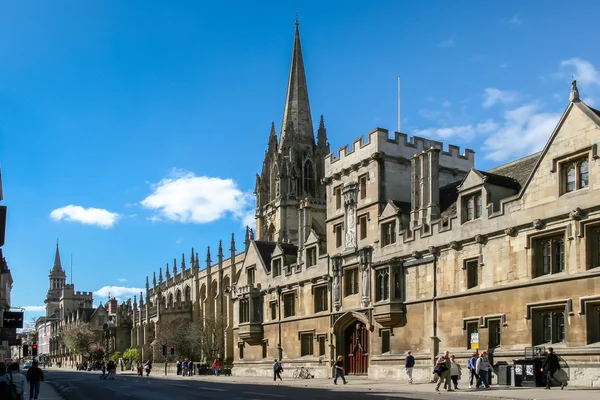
(471, 366)
(13, 381)
(216, 366)
(409, 363)
(483, 368)
(277, 370)
(550, 366)
(34, 376)
(442, 369)
(339, 370)
(455, 371)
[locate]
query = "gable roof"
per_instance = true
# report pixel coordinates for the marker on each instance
(265, 251)
(519, 169)
(500, 180)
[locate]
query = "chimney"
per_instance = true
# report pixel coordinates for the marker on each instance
(425, 187)
(112, 306)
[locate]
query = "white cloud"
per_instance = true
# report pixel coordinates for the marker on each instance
(117, 291)
(446, 104)
(249, 219)
(34, 308)
(556, 96)
(589, 101)
(448, 43)
(465, 132)
(524, 130)
(185, 197)
(487, 126)
(493, 96)
(87, 216)
(121, 280)
(582, 70)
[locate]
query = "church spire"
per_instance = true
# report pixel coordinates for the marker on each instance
(322, 134)
(57, 264)
(272, 139)
(297, 107)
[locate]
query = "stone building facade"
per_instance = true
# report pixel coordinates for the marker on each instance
(67, 308)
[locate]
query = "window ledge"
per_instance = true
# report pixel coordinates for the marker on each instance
(575, 192)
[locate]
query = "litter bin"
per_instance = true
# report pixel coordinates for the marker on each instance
(504, 373)
(527, 372)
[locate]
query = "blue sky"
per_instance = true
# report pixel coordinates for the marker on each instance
(132, 131)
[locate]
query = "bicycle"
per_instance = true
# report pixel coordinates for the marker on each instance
(302, 373)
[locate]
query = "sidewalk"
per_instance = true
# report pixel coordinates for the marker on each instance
(47, 392)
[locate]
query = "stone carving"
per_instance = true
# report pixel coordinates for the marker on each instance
(416, 254)
(538, 224)
(454, 245)
(350, 193)
(480, 239)
(510, 231)
(574, 95)
(365, 265)
(335, 285)
(576, 214)
(433, 250)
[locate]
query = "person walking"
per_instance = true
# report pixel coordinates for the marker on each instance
(442, 369)
(550, 366)
(34, 376)
(216, 366)
(455, 371)
(277, 370)
(409, 364)
(471, 366)
(482, 369)
(14, 381)
(339, 370)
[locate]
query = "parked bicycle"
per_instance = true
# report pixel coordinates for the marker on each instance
(302, 373)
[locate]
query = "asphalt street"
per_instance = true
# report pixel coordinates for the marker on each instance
(88, 386)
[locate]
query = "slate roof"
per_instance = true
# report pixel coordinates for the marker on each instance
(519, 170)
(403, 206)
(448, 196)
(265, 249)
(597, 112)
(501, 180)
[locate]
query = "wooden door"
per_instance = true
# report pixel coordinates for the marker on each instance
(357, 343)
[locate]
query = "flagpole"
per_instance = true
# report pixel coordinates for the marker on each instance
(398, 103)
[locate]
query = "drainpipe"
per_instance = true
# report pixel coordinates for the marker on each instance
(331, 345)
(434, 338)
(279, 348)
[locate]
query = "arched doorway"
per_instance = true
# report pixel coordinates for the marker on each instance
(357, 349)
(353, 342)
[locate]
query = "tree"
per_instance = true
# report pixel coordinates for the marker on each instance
(212, 336)
(96, 351)
(132, 354)
(116, 355)
(79, 341)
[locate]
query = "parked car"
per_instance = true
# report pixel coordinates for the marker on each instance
(27, 364)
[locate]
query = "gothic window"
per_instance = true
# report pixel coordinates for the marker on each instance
(351, 281)
(276, 267)
(548, 326)
(594, 246)
(382, 290)
(188, 295)
(273, 307)
(163, 302)
(398, 283)
(309, 180)
(575, 175)
(322, 348)
(337, 194)
(388, 233)
(289, 305)
(178, 298)
(472, 328)
(256, 309)
(251, 275)
(244, 311)
(472, 269)
(362, 224)
(494, 333)
(385, 341)
(311, 256)
(170, 305)
(306, 344)
(472, 206)
(362, 184)
(549, 255)
(320, 297)
(274, 184)
(339, 235)
(271, 234)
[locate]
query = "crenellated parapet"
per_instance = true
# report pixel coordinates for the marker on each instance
(378, 145)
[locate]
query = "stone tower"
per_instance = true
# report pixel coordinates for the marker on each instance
(58, 279)
(293, 167)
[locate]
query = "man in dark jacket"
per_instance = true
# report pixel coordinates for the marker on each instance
(409, 363)
(550, 366)
(34, 376)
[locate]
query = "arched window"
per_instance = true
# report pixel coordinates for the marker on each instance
(178, 298)
(170, 305)
(274, 183)
(309, 179)
(188, 295)
(271, 234)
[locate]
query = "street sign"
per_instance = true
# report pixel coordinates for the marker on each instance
(15, 342)
(12, 319)
(8, 334)
(475, 340)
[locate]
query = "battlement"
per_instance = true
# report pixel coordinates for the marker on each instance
(83, 294)
(379, 144)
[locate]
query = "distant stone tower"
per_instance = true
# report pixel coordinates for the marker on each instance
(293, 167)
(58, 279)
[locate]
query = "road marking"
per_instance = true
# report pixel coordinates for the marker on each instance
(178, 384)
(213, 389)
(265, 394)
(118, 391)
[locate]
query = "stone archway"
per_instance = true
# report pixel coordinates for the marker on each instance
(352, 333)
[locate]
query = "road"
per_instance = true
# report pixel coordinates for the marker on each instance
(88, 386)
